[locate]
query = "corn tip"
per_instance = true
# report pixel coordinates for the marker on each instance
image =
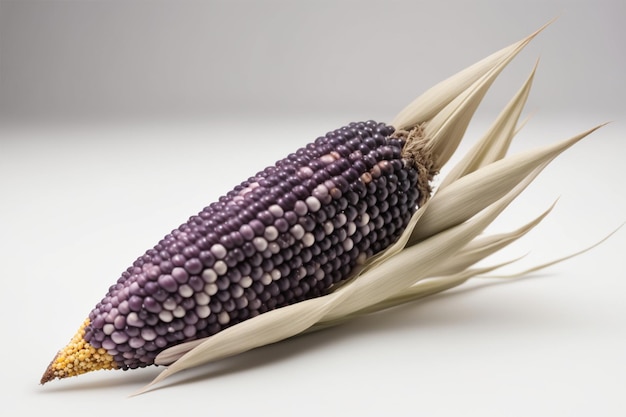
(77, 358)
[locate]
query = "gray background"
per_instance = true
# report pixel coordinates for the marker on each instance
(76, 60)
(120, 119)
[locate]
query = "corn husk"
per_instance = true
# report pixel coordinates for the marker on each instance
(443, 241)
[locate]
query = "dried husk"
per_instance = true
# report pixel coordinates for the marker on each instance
(443, 240)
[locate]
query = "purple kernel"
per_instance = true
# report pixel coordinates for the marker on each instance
(136, 342)
(180, 275)
(160, 342)
(168, 283)
(246, 232)
(188, 303)
(123, 307)
(191, 318)
(307, 223)
(196, 283)
(166, 267)
(148, 334)
(151, 305)
(305, 172)
(203, 243)
(150, 288)
(235, 239)
(226, 241)
(207, 258)
(108, 344)
(135, 303)
(233, 275)
(266, 217)
(282, 225)
(191, 251)
(287, 201)
(178, 260)
(257, 226)
(133, 320)
(189, 331)
(300, 191)
(300, 208)
(119, 322)
(153, 272)
(229, 305)
(291, 218)
(193, 266)
(111, 315)
(152, 320)
(320, 191)
(119, 337)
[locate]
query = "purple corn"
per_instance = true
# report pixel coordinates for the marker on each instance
(290, 233)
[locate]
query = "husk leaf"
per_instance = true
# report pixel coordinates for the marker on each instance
(433, 100)
(484, 246)
(495, 144)
(474, 191)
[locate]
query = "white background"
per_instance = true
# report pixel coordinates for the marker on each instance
(121, 119)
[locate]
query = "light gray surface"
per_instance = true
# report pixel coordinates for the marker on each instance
(117, 126)
(80, 204)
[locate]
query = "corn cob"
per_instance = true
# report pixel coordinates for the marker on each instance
(292, 232)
